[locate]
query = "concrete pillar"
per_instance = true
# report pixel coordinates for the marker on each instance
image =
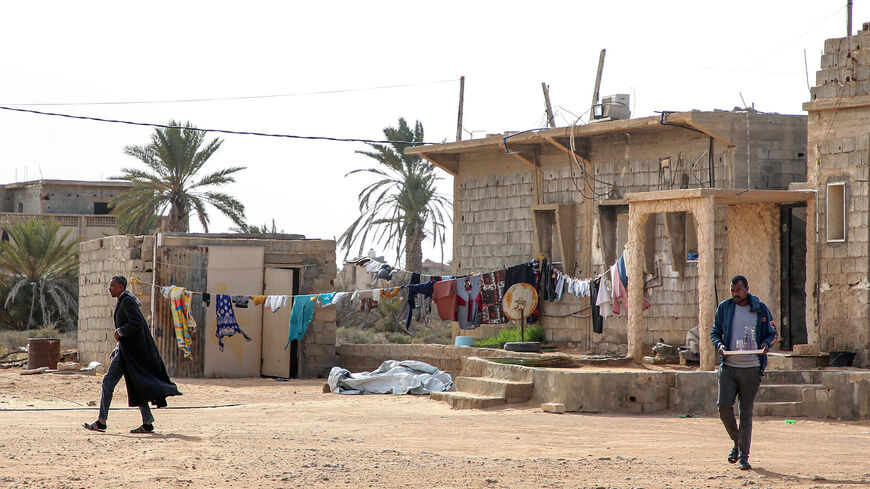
(634, 269)
(812, 275)
(705, 219)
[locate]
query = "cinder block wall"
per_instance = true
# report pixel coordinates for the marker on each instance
(494, 223)
(100, 260)
(838, 146)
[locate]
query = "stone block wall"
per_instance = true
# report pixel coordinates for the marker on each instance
(99, 261)
(839, 148)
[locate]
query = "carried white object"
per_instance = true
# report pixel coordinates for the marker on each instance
(742, 352)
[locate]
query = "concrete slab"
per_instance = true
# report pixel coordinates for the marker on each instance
(512, 391)
(553, 407)
(464, 400)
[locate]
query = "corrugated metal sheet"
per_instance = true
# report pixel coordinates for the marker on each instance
(185, 267)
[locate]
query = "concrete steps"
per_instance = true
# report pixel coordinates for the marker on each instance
(791, 361)
(511, 391)
(784, 392)
(789, 393)
(465, 400)
(484, 392)
(784, 409)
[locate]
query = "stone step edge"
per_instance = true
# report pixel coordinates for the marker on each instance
(496, 381)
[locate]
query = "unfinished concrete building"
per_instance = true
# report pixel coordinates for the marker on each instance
(565, 193)
(839, 168)
(242, 264)
(79, 206)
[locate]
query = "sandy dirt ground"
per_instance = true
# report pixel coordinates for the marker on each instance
(290, 434)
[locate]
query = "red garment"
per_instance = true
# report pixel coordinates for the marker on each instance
(620, 292)
(444, 295)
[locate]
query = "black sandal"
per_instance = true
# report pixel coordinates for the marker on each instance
(95, 426)
(733, 456)
(145, 428)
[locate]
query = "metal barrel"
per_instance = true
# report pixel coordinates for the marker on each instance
(43, 352)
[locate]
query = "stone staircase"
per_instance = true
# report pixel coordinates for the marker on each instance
(484, 392)
(790, 393)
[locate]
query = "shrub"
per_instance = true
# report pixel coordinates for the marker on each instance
(533, 333)
(12, 340)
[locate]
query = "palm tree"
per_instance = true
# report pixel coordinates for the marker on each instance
(401, 208)
(41, 257)
(175, 156)
(257, 229)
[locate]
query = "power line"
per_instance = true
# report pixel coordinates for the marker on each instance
(222, 131)
(247, 97)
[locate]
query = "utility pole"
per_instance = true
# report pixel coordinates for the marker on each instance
(848, 17)
(551, 121)
(597, 84)
(461, 101)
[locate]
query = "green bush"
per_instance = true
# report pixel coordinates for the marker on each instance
(533, 333)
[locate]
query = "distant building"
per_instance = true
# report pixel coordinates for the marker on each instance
(78, 205)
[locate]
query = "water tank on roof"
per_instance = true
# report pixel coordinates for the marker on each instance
(616, 107)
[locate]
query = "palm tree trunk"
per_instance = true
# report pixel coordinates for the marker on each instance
(32, 304)
(178, 217)
(414, 250)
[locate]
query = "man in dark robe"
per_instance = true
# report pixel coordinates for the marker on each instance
(136, 359)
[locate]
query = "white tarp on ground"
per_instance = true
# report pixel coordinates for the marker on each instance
(392, 377)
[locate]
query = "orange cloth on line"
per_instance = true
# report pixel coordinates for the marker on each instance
(390, 293)
(258, 300)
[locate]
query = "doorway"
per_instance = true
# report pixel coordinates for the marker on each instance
(277, 361)
(793, 253)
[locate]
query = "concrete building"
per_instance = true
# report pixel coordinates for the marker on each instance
(79, 206)
(267, 264)
(565, 193)
(838, 295)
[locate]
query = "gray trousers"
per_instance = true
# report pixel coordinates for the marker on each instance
(110, 380)
(742, 383)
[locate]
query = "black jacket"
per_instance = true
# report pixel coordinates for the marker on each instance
(144, 371)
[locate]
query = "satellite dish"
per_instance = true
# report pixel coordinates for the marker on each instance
(519, 301)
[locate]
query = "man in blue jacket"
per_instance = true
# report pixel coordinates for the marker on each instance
(742, 323)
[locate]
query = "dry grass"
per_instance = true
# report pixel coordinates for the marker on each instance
(11, 340)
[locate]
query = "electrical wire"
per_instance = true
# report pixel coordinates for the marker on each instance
(221, 131)
(248, 97)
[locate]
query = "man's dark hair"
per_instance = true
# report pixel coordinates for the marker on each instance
(123, 280)
(739, 278)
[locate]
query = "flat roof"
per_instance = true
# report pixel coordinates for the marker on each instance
(725, 196)
(84, 183)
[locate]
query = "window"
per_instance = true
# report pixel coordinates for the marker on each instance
(691, 238)
(101, 208)
(835, 212)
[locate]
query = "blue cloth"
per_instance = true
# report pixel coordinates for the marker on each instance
(300, 315)
(623, 274)
(325, 299)
(765, 330)
(226, 320)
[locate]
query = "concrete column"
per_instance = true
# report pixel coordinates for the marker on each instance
(705, 218)
(812, 275)
(634, 269)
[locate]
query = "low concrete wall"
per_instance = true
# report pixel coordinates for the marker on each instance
(360, 358)
(592, 391)
(846, 396)
(695, 393)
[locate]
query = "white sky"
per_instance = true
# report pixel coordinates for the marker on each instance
(677, 55)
